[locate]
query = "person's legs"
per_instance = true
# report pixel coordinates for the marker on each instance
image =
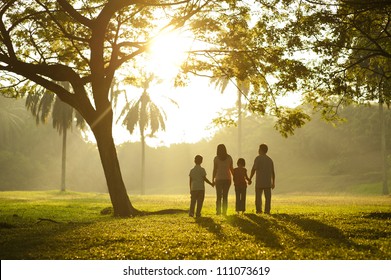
(192, 203)
(200, 202)
(226, 187)
(243, 199)
(219, 196)
(268, 198)
(258, 200)
(238, 200)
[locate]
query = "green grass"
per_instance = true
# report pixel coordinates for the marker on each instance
(54, 225)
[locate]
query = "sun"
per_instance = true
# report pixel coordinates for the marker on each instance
(167, 52)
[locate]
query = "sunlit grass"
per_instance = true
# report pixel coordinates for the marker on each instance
(54, 225)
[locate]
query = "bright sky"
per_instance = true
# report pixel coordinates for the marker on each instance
(191, 121)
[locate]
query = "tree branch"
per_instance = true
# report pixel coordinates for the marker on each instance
(75, 14)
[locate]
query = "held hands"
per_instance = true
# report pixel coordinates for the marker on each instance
(211, 183)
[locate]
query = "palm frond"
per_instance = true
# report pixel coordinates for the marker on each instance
(45, 106)
(131, 119)
(62, 115)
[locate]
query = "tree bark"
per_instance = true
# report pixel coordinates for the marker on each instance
(108, 155)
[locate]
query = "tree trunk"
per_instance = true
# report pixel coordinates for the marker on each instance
(239, 121)
(108, 155)
(142, 163)
(383, 148)
(64, 158)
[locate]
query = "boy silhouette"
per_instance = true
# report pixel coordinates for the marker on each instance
(197, 186)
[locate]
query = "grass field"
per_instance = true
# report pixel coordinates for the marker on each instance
(54, 225)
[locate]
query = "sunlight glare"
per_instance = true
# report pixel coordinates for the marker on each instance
(167, 52)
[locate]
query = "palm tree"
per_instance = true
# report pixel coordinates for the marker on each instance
(10, 120)
(146, 114)
(41, 105)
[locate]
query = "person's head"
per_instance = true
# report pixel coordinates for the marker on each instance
(241, 162)
(221, 152)
(198, 159)
(263, 149)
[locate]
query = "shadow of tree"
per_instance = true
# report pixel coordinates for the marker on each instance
(210, 225)
(110, 211)
(258, 227)
(164, 212)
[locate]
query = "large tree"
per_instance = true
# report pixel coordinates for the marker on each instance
(85, 43)
(44, 42)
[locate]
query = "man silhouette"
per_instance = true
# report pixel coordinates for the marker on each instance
(265, 179)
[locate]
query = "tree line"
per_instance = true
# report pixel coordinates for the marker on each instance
(311, 160)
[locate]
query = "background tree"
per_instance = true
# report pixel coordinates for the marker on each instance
(351, 41)
(246, 49)
(147, 115)
(10, 121)
(63, 116)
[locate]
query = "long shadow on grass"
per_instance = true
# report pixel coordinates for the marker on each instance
(258, 227)
(24, 245)
(321, 230)
(210, 225)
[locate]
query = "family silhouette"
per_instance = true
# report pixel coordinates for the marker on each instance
(223, 175)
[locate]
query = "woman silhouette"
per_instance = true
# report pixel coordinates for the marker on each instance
(222, 171)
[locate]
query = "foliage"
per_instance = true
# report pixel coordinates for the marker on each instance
(249, 50)
(289, 120)
(345, 46)
(42, 104)
(53, 225)
(143, 111)
(11, 120)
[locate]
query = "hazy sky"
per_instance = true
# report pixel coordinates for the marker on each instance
(191, 121)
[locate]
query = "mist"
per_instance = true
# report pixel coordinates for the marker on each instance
(319, 157)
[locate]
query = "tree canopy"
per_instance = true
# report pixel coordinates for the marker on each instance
(345, 45)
